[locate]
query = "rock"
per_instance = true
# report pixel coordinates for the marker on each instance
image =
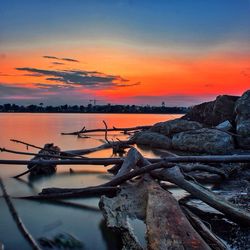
(214, 112)
(242, 106)
(174, 126)
(225, 126)
(152, 139)
(242, 109)
(204, 140)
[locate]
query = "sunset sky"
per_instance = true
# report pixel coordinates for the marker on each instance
(123, 51)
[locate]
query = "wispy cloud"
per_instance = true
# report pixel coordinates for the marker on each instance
(57, 63)
(49, 93)
(89, 79)
(62, 59)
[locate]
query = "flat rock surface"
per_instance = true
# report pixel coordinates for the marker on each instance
(211, 141)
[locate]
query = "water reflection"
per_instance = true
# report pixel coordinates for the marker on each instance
(78, 217)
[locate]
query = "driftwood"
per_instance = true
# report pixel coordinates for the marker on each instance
(17, 219)
(49, 150)
(166, 160)
(212, 240)
(116, 144)
(167, 226)
(129, 162)
(124, 130)
(38, 154)
(145, 200)
(65, 193)
(160, 164)
(234, 213)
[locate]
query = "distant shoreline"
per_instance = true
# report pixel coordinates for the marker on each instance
(145, 113)
(92, 109)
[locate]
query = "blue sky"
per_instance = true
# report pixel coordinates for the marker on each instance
(195, 48)
(197, 23)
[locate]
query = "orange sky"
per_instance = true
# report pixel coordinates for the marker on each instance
(154, 74)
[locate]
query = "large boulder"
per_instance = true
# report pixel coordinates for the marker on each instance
(205, 140)
(152, 139)
(174, 126)
(214, 112)
(242, 109)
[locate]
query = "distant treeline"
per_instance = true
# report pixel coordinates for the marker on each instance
(92, 109)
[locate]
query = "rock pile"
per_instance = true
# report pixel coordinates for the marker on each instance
(216, 127)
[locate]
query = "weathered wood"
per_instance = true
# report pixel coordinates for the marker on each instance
(212, 240)
(202, 167)
(167, 226)
(129, 162)
(38, 154)
(17, 219)
(109, 161)
(34, 146)
(25, 172)
(231, 211)
(129, 203)
(65, 193)
(116, 144)
(85, 131)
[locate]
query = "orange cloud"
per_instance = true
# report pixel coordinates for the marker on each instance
(158, 74)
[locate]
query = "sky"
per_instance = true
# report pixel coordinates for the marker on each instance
(145, 52)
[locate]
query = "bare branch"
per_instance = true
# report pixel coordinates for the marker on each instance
(17, 219)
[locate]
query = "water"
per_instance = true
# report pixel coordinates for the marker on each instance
(46, 219)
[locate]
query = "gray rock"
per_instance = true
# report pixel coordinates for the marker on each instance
(204, 140)
(152, 139)
(214, 112)
(225, 126)
(242, 109)
(175, 126)
(242, 106)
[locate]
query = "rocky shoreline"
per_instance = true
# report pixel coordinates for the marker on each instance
(221, 126)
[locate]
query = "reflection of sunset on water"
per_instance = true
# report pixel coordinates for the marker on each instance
(39, 129)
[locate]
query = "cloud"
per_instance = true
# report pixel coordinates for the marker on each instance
(53, 87)
(62, 59)
(88, 79)
(53, 94)
(51, 57)
(69, 60)
(129, 85)
(57, 63)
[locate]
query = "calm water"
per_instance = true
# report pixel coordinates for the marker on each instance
(46, 219)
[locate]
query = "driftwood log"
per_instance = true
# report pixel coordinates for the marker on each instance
(212, 240)
(144, 199)
(124, 130)
(236, 214)
(166, 160)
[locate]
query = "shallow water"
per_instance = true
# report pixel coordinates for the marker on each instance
(47, 219)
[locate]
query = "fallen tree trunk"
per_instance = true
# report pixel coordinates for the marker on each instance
(212, 240)
(167, 226)
(109, 161)
(234, 213)
(65, 193)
